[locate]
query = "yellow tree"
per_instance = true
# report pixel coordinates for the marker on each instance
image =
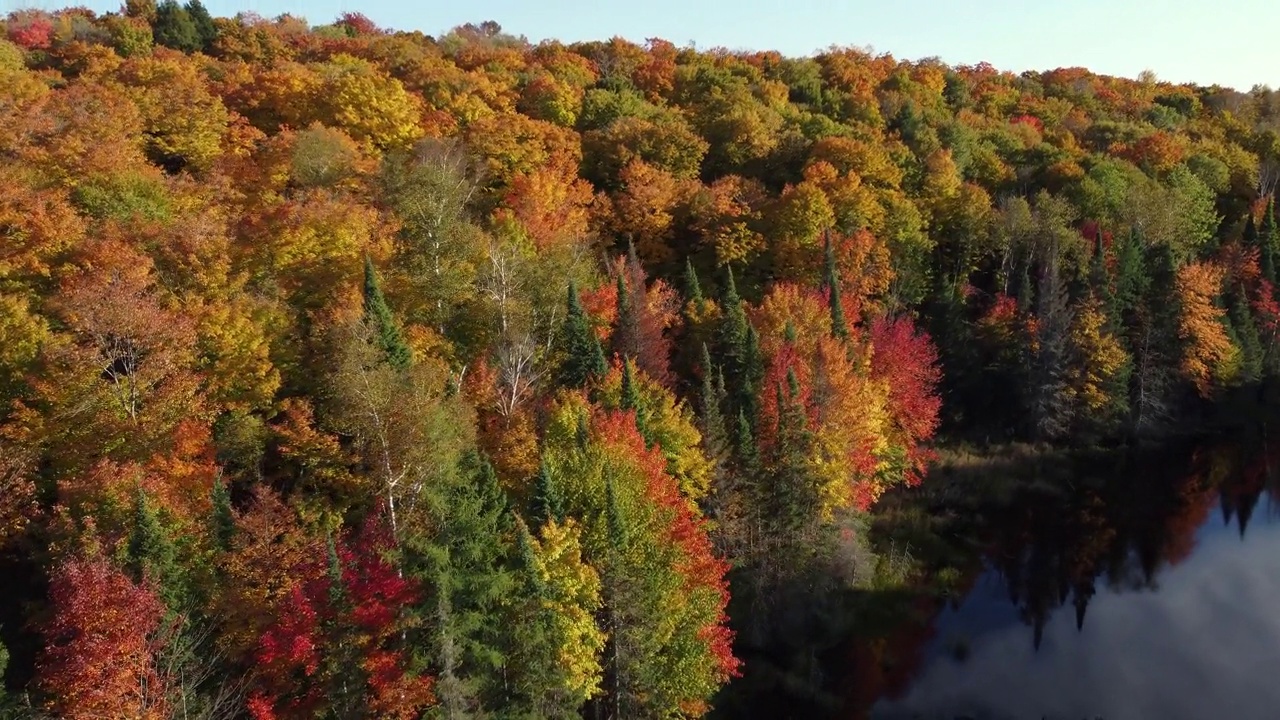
(1207, 351)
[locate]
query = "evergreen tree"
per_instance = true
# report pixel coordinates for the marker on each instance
(467, 566)
(1050, 411)
(626, 332)
(378, 315)
(631, 399)
(174, 28)
(547, 504)
(206, 30)
(223, 520)
(1244, 334)
(711, 421)
(692, 287)
(1269, 241)
(150, 552)
(1100, 283)
(583, 356)
(831, 283)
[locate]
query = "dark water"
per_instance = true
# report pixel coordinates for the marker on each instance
(1125, 588)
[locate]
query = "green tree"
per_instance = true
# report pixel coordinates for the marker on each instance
(175, 28)
(378, 315)
(582, 356)
(547, 503)
(151, 554)
(223, 519)
(206, 30)
(466, 562)
(831, 283)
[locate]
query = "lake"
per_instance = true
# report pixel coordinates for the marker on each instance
(1140, 587)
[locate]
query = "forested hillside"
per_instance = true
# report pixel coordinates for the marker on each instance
(347, 372)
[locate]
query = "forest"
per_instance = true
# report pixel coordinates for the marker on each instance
(355, 373)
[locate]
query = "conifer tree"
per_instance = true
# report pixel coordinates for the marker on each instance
(547, 504)
(1269, 242)
(711, 420)
(831, 283)
(631, 399)
(692, 287)
(626, 331)
(206, 30)
(378, 315)
(583, 356)
(151, 554)
(175, 28)
(223, 520)
(1244, 334)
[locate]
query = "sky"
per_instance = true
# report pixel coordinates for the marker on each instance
(1233, 44)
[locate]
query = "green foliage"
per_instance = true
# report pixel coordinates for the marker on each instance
(175, 28)
(582, 356)
(378, 315)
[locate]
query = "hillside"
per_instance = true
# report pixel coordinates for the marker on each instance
(347, 372)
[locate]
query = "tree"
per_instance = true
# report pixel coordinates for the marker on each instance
(151, 555)
(100, 644)
(1206, 348)
(465, 567)
(582, 356)
(831, 283)
(378, 316)
(206, 30)
(175, 28)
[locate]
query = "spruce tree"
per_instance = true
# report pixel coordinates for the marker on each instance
(1269, 242)
(174, 28)
(467, 564)
(1100, 283)
(547, 503)
(692, 287)
(150, 553)
(583, 358)
(831, 283)
(631, 399)
(223, 520)
(378, 315)
(1244, 332)
(710, 419)
(206, 30)
(626, 332)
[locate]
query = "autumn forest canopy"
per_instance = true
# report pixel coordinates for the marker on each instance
(348, 372)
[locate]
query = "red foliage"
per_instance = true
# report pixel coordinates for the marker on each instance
(358, 24)
(655, 309)
(100, 644)
(31, 30)
(908, 361)
(309, 626)
(698, 565)
(1031, 120)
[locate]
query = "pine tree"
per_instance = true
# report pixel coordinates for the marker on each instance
(583, 356)
(626, 332)
(692, 287)
(1050, 411)
(174, 28)
(206, 30)
(378, 315)
(711, 421)
(831, 283)
(468, 563)
(223, 520)
(1269, 241)
(1100, 282)
(1244, 334)
(631, 399)
(547, 504)
(150, 552)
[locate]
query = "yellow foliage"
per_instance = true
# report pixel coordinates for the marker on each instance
(571, 597)
(1097, 358)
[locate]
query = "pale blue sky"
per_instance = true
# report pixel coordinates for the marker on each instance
(1232, 43)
